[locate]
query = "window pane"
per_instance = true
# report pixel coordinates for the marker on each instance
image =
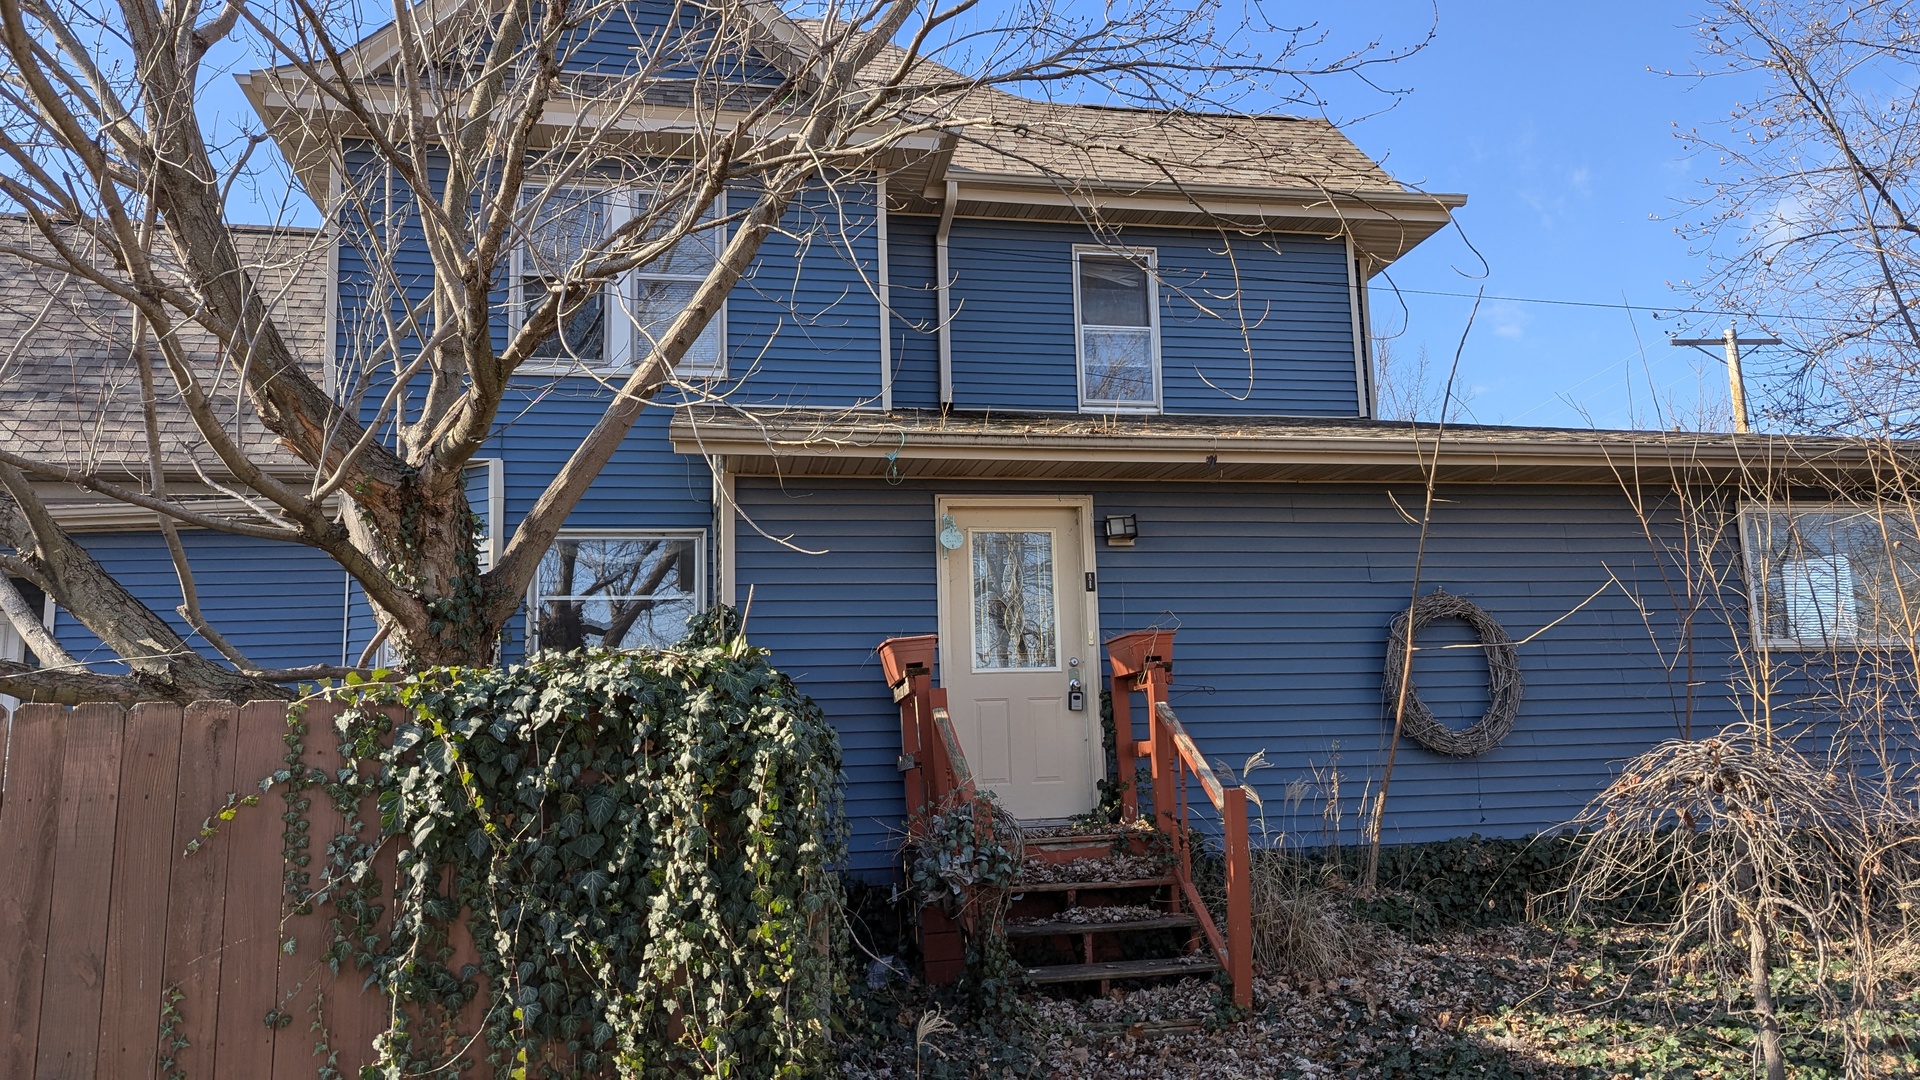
(1836, 576)
(583, 330)
(1013, 600)
(627, 593)
(694, 255)
(565, 224)
(477, 481)
(658, 303)
(1119, 365)
(1113, 292)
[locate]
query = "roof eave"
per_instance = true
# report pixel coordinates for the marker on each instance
(857, 450)
(1384, 224)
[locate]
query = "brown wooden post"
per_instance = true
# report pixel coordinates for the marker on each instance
(1233, 817)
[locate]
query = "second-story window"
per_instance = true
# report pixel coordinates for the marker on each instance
(663, 289)
(565, 225)
(1119, 329)
(617, 326)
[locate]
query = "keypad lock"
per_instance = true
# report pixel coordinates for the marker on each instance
(1076, 697)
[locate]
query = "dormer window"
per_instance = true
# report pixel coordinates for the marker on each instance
(1119, 329)
(617, 326)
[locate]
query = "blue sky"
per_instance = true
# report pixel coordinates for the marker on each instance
(1548, 117)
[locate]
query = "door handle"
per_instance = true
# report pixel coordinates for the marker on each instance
(1076, 697)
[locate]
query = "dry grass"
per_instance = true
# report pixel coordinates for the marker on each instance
(1301, 922)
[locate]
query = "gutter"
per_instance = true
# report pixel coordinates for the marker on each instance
(941, 275)
(852, 450)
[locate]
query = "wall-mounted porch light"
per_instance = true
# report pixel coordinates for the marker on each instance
(1122, 530)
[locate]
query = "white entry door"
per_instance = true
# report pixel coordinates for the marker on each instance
(1020, 674)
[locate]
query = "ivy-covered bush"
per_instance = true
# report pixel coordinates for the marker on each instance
(642, 846)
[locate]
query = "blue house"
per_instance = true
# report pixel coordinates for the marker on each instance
(960, 397)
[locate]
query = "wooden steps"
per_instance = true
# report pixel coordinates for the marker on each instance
(1018, 888)
(1171, 921)
(1194, 964)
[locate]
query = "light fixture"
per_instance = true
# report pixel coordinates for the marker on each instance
(1122, 529)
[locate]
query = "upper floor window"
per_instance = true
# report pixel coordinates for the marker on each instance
(1833, 575)
(617, 590)
(616, 327)
(1119, 328)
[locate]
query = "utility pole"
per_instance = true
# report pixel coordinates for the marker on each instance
(1736, 384)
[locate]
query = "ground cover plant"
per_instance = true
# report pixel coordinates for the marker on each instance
(1483, 975)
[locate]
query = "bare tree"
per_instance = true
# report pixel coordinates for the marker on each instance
(1812, 219)
(484, 135)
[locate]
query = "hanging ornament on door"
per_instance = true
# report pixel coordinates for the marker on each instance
(950, 537)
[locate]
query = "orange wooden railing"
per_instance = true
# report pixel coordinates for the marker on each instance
(1143, 662)
(931, 763)
(934, 770)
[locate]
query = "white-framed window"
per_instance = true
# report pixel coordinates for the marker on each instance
(621, 590)
(1832, 574)
(486, 488)
(613, 329)
(12, 646)
(1117, 325)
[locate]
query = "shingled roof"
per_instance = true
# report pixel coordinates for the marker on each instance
(70, 391)
(1021, 137)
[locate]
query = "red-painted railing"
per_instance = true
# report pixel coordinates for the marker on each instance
(934, 771)
(1143, 662)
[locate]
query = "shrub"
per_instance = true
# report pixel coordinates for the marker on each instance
(641, 846)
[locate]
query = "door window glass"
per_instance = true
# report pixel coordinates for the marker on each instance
(1015, 624)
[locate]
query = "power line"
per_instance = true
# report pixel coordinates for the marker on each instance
(1649, 308)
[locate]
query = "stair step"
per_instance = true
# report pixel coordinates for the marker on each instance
(1123, 969)
(1162, 922)
(1019, 887)
(1070, 839)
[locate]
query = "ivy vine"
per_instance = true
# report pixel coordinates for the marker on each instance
(964, 855)
(642, 846)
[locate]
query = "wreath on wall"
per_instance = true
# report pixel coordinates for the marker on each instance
(1503, 678)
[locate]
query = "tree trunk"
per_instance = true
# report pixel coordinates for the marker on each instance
(1760, 973)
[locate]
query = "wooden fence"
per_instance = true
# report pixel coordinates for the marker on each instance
(102, 915)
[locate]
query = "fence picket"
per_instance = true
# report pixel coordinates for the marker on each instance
(82, 886)
(142, 868)
(196, 910)
(27, 829)
(251, 930)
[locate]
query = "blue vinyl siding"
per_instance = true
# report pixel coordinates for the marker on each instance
(803, 325)
(663, 39)
(281, 604)
(1264, 330)
(1281, 596)
(916, 311)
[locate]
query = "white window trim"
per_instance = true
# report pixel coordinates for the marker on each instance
(1151, 258)
(697, 536)
(494, 509)
(621, 299)
(1756, 582)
